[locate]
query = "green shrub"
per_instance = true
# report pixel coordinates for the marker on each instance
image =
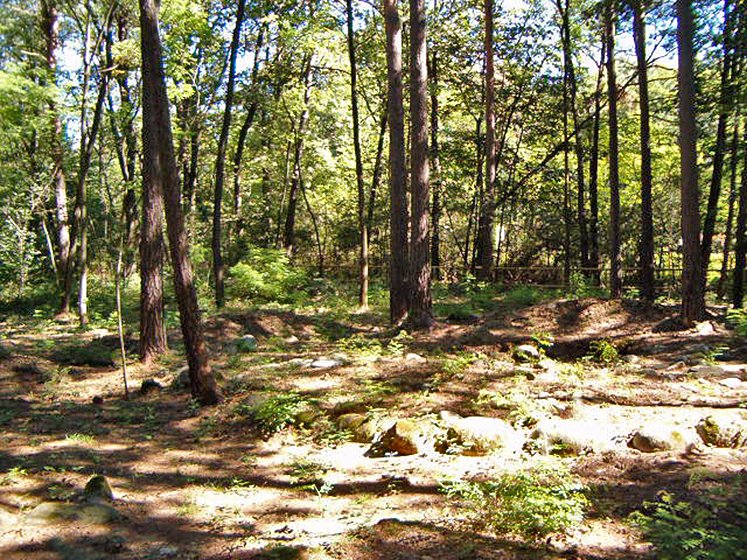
(604, 351)
(682, 530)
(530, 504)
(265, 275)
(523, 296)
(276, 413)
(737, 318)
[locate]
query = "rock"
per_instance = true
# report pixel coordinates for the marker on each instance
(571, 437)
(412, 357)
(325, 363)
(97, 490)
(526, 353)
(699, 348)
(363, 428)
(631, 359)
(149, 386)
(706, 371)
(731, 382)
(291, 340)
(716, 434)
(7, 518)
(246, 343)
(657, 438)
(407, 437)
(704, 328)
(300, 362)
(549, 365)
(478, 435)
(306, 415)
(181, 379)
(168, 551)
(53, 512)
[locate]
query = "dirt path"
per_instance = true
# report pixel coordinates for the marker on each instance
(191, 483)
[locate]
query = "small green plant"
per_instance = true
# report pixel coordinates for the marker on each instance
(265, 275)
(737, 319)
(543, 340)
(275, 413)
(360, 345)
(13, 474)
(581, 286)
(399, 344)
(530, 504)
(307, 474)
(80, 438)
(703, 529)
(604, 351)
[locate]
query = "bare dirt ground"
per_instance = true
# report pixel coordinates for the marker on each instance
(210, 484)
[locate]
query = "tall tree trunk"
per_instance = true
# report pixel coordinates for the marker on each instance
(646, 246)
(436, 164)
(594, 168)
(362, 227)
(398, 270)
(614, 172)
(289, 235)
(251, 111)
(420, 302)
(740, 241)
(220, 162)
(693, 303)
(485, 227)
(733, 164)
(726, 95)
(158, 150)
(470, 257)
(51, 30)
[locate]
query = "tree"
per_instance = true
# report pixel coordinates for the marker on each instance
(420, 302)
(158, 153)
(614, 166)
(362, 222)
(485, 227)
(398, 215)
(693, 302)
(220, 162)
(646, 245)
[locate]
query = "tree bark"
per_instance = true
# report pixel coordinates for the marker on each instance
(398, 217)
(646, 246)
(740, 241)
(420, 303)
(220, 162)
(733, 164)
(436, 164)
(693, 303)
(50, 28)
(725, 106)
(289, 234)
(158, 148)
(361, 190)
(487, 209)
(614, 173)
(594, 168)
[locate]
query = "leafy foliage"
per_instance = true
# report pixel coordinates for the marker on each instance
(707, 529)
(265, 275)
(530, 504)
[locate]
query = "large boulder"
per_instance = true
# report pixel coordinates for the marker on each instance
(407, 437)
(571, 437)
(98, 490)
(719, 434)
(653, 438)
(479, 435)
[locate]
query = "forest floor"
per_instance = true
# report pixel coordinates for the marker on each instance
(248, 479)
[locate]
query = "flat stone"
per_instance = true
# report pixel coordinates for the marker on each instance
(731, 382)
(7, 518)
(412, 357)
(408, 437)
(292, 340)
(325, 363)
(572, 437)
(706, 371)
(631, 358)
(704, 328)
(53, 512)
